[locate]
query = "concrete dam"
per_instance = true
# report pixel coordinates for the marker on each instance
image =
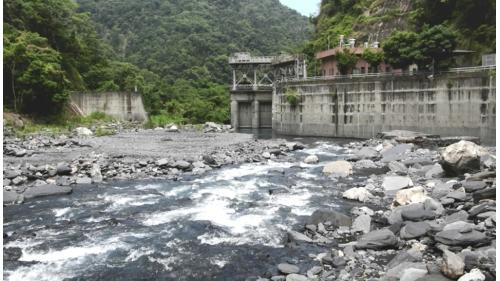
(460, 102)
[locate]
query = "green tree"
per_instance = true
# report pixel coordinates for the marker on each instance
(374, 58)
(401, 49)
(346, 61)
(37, 82)
(436, 45)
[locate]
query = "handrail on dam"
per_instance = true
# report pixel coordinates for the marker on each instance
(391, 74)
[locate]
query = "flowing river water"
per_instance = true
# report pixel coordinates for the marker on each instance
(227, 224)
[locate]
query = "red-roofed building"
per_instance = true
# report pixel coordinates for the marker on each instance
(329, 65)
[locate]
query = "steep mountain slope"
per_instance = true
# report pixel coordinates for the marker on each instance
(191, 39)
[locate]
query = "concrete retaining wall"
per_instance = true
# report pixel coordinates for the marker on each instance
(121, 106)
(448, 105)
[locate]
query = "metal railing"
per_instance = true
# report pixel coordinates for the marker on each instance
(257, 60)
(391, 74)
(251, 87)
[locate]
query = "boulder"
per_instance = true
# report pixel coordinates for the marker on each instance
(11, 173)
(453, 265)
(311, 159)
(396, 153)
(297, 237)
(162, 162)
(396, 273)
(339, 168)
(182, 165)
(409, 196)
(455, 237)
(82, 131)
(472, 186)
(46, 190)
(12, 253)
(411, 255)
(362, 224)
(436, 171)
(366, 153)
(63, 169)
(358, 193)
(398, 167)
(334, 217)
(287, 268)
(377, 240)
(414, 230)
(392, 184)
(172, 129)
(442, 189)
(474, 275)
(83, 180)
(412, 274)
(433, 277)
(462, 157)
(488, 193)
(417, 214)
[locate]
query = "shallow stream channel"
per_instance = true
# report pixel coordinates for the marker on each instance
(227, 224)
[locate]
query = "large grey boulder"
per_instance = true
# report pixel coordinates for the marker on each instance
(297, 237)
(462, 157)
(378, 239)
(334, 217)
(63, 169)
(95, 173)
(11, 197)
(455, 237)
(296, 277)
(339, 168)
(358, 193)
(311, 159)
(46, 190)
(366, 153)
(396, 273)
(362, 224)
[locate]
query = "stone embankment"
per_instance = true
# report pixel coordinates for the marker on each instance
(429, 216)
(41, 165)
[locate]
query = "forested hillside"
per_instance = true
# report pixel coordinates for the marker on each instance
(472, 22)
(187, 43)
(175, 52)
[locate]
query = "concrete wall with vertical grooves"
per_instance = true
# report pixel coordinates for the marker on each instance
(120, 105)
(452, 104)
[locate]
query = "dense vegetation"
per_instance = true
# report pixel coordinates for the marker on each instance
(173, 52)
(187, 43)
(463, 24)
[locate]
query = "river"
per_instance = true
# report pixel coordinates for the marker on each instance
(227, 224)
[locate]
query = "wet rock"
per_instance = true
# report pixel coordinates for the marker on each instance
(460, 226)
(12, 253)
(412, 274)
(362, 224)
(457, 195)
(209, 160)
(457, 216)
(334, 217)
(455, 237)
(287, 268)
(63, 169)
(82, 131)
(297, 237)
(378, 239)
(19, 180)
(453, 265)
(338, 168)
(20, 152)
(296, 277)
(315, 270)
(46, 190)
(481, 208)
(474, 275)
(410, 196)
(358, 193)
(311, 159)
(278, 278)
(410, 255)
(414, 230)
(417, 214)
(462, 157)
(392, 184)
(433, 277)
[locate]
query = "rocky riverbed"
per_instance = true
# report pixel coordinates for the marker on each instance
(430, 216)
(403, 207)
(40, 165)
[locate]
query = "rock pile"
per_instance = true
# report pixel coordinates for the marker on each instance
(432, 215)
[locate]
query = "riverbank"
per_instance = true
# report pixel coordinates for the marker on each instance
(38, 165)
(430, 216)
